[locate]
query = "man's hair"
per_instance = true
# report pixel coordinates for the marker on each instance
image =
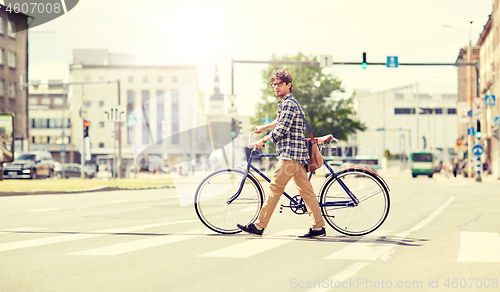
(282, 75)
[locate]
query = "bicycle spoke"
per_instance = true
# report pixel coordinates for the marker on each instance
(215, 191)
(359, 219)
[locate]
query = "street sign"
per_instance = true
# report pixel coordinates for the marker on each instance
(497, 121)
(477, 150)
(489, 100)
(469, 113)
(478, 113)
(131, 122)
(114, 113)
(471, 131)
(392, 62)
(232, 98)
(326, 61)
(266, 121)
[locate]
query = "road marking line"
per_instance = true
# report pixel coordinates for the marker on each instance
(43, 210)
(364, 251)
(432, 216)
(72, 237)
(361, 251)
(350, 272)
(122, 248)
(479, 247)
(253, 246)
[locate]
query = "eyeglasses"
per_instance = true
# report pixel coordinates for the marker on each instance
(277, 84)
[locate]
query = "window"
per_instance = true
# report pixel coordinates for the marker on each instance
(101, 103)
(404, 111)
(1, 54)
(88, 103)
(160, 79)
(130, 79)
(2, 87)
(1, 25)
(145, 79)
(174, 79)
(58, 101)
(12, 89)
(12, 59)
(40, 123)
(452, 111)
(101, 145)
(11, 28)
(33, 101)
(101, 124)
(45, 101)
(439, 111)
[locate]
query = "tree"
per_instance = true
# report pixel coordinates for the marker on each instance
(313, 90)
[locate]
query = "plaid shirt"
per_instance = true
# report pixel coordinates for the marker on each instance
(288, 135)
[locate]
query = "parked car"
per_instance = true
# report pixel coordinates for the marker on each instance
(75, 170)
(33, 164)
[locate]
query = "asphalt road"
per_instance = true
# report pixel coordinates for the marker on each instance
(441, 234)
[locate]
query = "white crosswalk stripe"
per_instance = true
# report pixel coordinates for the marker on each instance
(479, 247)
(141, 244)
(254, 246)
(368, 251)
(72, 237)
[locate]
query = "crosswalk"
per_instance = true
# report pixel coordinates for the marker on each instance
(475, 247)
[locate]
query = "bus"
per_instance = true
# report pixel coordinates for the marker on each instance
(422, 163)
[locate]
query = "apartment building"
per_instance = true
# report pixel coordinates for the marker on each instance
(14, 72)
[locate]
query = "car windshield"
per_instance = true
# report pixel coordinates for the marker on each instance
(26, 157)
(422, 157)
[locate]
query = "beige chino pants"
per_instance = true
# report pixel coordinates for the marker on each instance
(285, 170)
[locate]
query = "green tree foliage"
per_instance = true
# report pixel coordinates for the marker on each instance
(313, 90)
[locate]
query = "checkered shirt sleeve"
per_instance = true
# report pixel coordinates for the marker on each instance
(288, 135)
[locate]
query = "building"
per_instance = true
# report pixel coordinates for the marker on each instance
(50, 120)
(489, 64)
(14, 72)
(100, 79)
(401, 122)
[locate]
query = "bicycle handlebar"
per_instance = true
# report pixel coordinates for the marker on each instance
(253, 145)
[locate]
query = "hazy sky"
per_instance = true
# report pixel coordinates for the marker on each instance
(210, 32)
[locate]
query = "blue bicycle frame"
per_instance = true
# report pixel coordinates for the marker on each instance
(350, 203)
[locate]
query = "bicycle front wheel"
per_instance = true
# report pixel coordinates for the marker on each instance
(343, 214)
(211, 200)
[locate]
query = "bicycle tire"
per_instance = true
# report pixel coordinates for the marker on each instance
(361, 219)
(214, 191)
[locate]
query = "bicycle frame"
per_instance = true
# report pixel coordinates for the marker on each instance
(350, 203)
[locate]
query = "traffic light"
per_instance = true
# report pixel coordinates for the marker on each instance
(86, 128)
(478, 129)
(234, 128)
(364, 64)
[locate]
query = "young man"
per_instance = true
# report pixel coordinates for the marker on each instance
(288, 135)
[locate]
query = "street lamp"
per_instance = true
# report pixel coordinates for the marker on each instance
(462, 29)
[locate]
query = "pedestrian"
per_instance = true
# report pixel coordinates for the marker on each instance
(455, 168)
(288, 135)
(486, 166)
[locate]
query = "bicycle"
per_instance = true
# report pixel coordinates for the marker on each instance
(354, 200)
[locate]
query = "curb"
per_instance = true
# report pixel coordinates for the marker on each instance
(98, 189)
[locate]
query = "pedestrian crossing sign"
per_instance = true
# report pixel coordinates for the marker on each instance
(489, 100)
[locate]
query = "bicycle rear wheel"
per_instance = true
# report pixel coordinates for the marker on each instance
(213, 193)
(347, 217)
